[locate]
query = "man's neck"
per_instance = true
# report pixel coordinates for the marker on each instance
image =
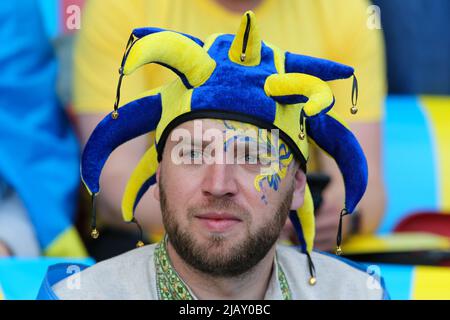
(239, 6)
(249, 286)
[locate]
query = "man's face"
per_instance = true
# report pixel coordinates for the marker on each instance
(226, 189)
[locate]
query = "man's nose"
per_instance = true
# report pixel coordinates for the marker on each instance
(219, 180)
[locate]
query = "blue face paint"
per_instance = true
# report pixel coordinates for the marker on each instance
(271, 151)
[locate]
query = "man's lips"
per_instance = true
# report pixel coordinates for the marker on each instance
(218, 221)
(218, 216)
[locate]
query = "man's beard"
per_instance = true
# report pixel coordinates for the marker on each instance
(235, 260)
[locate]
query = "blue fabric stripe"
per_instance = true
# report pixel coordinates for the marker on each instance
(324, 69)
(143, 189)
(409, 161)
(223, 91)
(136, 118)
(341, 144)
(298, 229)
(290, 99)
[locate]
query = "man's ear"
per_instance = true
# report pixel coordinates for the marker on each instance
(299, 189)
(156, 186)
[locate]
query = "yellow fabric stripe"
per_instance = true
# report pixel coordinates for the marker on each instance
(253, 49)
(67, 244)
(145, 169)
(318, 92)
(287, 119)
(178, 51)
(306, 215)
(176, 100)
(278, 57)
(438, 111)
(396, 242)
(431, 283)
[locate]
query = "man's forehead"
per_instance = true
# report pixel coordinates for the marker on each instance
(202, 131)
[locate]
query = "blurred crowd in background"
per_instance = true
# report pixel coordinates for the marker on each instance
(59, 61)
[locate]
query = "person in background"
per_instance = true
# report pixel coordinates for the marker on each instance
(326, 29)
(38, 151)
(416, 36)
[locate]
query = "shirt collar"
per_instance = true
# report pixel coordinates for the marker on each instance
(170, 286)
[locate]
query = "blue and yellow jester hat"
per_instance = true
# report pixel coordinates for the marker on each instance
(232, 77)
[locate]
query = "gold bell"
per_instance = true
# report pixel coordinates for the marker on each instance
(312, 281)
(139, 244)
(354, 110)
(95, 233)
(338, 251)
(243, 57)
(301, 135)
(115, 114)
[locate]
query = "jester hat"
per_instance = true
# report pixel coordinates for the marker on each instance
(231, 77)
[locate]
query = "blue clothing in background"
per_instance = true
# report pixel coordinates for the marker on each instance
(38, 150)
(417, 45)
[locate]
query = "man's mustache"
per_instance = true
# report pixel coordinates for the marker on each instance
(219, 205)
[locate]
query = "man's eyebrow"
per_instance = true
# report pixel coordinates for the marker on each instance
(204, 143)
(235, 140)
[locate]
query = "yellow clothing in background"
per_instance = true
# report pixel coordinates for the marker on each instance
(331, 29)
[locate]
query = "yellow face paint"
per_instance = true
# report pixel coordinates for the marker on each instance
(271, 150)
(279, 163)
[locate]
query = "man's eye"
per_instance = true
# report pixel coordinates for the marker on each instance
(194, 154)
(250, 159)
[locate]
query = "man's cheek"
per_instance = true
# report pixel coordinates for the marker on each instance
(267, 184)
